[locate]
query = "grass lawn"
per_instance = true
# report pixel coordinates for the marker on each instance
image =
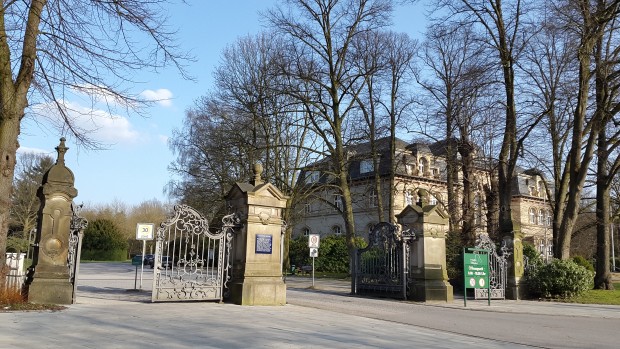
(599, 296)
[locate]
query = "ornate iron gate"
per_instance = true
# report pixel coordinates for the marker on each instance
(76, 233)
(192, 263)
(382, 267)
(498, 268)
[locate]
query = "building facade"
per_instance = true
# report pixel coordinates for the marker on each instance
(416, 166)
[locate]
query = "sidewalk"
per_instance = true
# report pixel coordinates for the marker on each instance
(343, 287)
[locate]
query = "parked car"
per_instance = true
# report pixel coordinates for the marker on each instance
(148, 259)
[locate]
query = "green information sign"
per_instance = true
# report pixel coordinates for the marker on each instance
(136, 260)
(476, 270)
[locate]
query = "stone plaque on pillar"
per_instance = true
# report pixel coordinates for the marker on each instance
(49, 281)
(257, 247)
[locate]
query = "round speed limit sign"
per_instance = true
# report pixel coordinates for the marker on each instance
(313, 240)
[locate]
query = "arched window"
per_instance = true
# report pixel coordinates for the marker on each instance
(532, 216)
(306, 231)
(336, 230)
(541, 217)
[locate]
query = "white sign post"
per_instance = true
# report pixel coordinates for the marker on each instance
(144, 231)
(313, 243)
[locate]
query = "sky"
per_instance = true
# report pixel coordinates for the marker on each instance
(134, 166)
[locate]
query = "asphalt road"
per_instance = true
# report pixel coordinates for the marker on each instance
(109, 315)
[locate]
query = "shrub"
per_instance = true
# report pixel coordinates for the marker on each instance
(579, 260)
(333, 253)
(560, 278)
(533, 256)
(104, 241)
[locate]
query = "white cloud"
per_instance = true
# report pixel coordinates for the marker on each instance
(97, 124)
(24, 150)
(162, 96)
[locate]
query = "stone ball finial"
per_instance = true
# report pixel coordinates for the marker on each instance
(258, 171)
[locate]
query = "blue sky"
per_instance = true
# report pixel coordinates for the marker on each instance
(134, 168)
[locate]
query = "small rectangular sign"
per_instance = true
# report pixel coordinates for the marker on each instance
(314, 240)
(263, 243)
(145, 231)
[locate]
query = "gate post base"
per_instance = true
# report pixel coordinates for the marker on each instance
(516, 290)
(432, 291)
(50, 291)
(258, 291)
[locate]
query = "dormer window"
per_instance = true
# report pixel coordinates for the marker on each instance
(366, 166)
(312, 177)
(541, 189)
(423, 166)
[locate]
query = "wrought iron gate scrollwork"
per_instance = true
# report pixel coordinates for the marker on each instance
(382, 267)
(498, 269)
(191, 263)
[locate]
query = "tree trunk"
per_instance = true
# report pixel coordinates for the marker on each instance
(9, 131)
(602, 279)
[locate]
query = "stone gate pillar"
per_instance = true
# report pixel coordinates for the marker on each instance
(257, 247)
(49, 279)
(427, 268)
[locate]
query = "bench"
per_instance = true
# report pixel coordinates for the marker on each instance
(305, 269)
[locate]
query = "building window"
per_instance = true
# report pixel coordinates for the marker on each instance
(541, 189)
(308, 208)
(338, 202)
(312, 177)
(541, 217)
(423, 166)
(366, 166)
(432, 200)
(409, 169)
(532, 216)
(408, 198)
(336, 230)
(306, 232)
(372, 198)
(549, 218)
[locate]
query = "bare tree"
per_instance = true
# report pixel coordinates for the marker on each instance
(385, 102)
(587, 21)
(51, 47)
(607, 82)
(460, 76)
(321, 33)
